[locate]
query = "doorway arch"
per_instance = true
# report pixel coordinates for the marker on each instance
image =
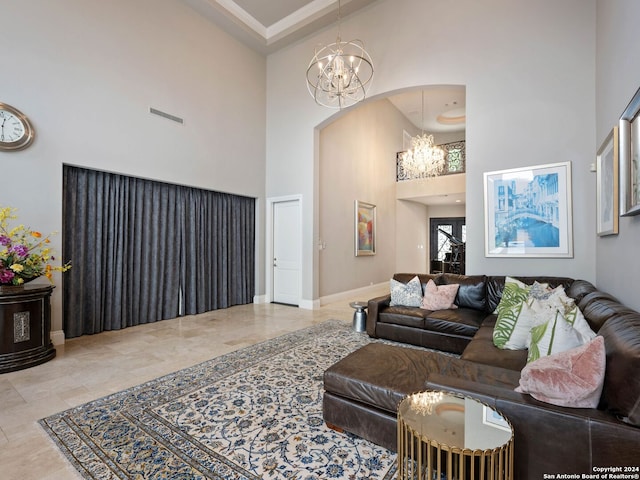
(355, 149)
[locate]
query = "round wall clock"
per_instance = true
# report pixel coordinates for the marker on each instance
(16, 131)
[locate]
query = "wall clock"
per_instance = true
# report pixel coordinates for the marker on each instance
(16, 131)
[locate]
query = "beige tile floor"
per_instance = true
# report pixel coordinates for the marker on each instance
(93, 366)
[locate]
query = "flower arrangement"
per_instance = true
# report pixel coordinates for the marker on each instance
(24, 253)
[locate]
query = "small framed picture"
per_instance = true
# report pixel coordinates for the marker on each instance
(494, 419)
(365, 228)
(528, 212)
(629, 143)
(607, 185)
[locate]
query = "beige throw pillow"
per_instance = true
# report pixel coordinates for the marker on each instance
(439, 297)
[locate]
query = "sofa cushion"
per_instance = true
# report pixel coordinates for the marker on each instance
(572, 378)
(408, 316)
(598, 307)
(461, 321)
(406, 294)
(472, 292)
(495, 285)
(381, 375)
(439, 297)
(580, 288)
(621, 391)
(482, 350)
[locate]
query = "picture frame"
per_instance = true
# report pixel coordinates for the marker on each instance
(365, 228)
(528, 212)
(629, 148)
(607, 202)
(494, 419)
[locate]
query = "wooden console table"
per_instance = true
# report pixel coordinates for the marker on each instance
(25, 327)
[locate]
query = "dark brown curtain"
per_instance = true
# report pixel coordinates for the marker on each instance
(144, 251)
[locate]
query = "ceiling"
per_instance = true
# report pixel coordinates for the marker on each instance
(269, 25)
(444, 107)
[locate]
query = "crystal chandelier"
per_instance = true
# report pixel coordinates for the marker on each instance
(424, 158)
(340, 73)
(423, 402)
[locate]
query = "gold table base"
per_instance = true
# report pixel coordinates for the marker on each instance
(421, 458)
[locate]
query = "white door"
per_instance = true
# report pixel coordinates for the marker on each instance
(286, 252)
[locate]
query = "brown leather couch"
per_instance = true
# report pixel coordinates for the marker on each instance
(363, 390)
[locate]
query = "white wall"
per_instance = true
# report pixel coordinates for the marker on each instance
(529, 70)
(357, 162)
(412, 237)
(86, 73)
(617, 79)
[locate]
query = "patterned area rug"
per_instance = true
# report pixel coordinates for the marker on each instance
(252, 414)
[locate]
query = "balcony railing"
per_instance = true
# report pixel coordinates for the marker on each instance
(455, 155)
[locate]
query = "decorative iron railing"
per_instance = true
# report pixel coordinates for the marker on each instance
(456, 157)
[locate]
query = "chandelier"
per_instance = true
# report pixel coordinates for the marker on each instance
(340, 73)
(424, 158)
(423, 402)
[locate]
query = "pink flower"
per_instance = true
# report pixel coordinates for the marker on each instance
(6, 275)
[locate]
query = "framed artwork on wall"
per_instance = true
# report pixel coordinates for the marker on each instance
(629, 145)
(607, 185)
(528, 212)
(365, 228)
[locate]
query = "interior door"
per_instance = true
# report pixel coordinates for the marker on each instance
(286, 252)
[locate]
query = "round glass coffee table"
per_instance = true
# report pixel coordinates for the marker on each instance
(446, 435)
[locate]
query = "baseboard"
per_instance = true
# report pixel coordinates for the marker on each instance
(365, 292)
(309, 304)
(57, 337)
(260, 299)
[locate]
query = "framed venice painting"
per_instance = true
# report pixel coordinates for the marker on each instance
(528, 212)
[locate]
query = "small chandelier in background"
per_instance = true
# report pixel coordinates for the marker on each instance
(340, 73)
(424, 158)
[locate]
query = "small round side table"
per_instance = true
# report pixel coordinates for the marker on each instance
(446, 435)
(359, 316)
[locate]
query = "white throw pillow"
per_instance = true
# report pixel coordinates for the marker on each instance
(572, 314)
(406, 294)
(531, 315)
(553, 336)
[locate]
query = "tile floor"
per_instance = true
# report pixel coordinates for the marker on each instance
(93, 366)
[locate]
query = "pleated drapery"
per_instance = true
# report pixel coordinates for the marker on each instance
(144, 251)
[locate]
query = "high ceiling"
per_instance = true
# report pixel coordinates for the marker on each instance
(268, 25)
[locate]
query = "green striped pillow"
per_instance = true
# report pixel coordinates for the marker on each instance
(514, 296)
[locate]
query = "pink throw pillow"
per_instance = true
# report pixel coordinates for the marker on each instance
(439, 297)
(573, 378)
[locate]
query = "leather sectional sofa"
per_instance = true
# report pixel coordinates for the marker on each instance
(363, 390)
